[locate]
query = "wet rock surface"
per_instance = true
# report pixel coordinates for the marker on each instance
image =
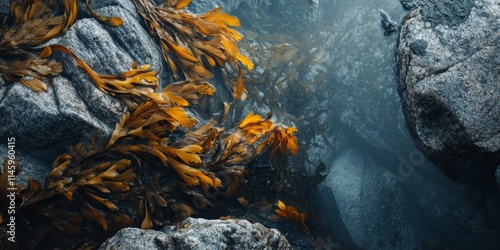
(73, 108)
(371, 213)
(363, 72)
(497, 176)
(200, 234)
(436, 12)
(371, 205)
(449, 74)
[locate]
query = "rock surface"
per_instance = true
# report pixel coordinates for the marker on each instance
(372, 206)
(449, 82)
(5, 6)
(363, 72)
(371, 213)
(497, 176)
(200, 234)
(73, 108)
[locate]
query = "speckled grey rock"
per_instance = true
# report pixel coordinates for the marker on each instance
(30, 166)
(449, 81)
(73, 108)
(439, 12)
(4, 6)
(200, 234)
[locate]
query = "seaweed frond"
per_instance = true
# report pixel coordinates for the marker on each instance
(30, 71)
(194, 44)
(31, 23)
(111, 21)
(34, 22)
(139, 81)
(291, 213)
(282, 141)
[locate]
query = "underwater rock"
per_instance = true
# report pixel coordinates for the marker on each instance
(497, 176)
(449, 87)
(4, 6)
(363, 76)
(388, 25)
(200, 234)
(73, 108)
(375, 206)
(362, 207)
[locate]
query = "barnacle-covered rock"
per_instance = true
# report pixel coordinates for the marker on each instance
(200, 234)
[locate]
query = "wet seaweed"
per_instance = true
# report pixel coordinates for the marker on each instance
(193, 44)
(140, 176)
(159, 165)
(30, 24)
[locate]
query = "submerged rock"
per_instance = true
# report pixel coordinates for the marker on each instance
(200, 234)
(448, 75)
(497, 176)
(408, 206)
(4, 6)
(73, 108)
(362, 207)
(363, 75)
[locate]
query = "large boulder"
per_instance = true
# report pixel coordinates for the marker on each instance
(200, 234)
(449, 75)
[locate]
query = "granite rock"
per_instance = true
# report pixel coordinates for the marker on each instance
(200, 234)
(448, 79)
(72, 109)
(363, 75)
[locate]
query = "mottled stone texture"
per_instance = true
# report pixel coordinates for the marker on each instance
(200, 234)
(73, 108)
(449, 76)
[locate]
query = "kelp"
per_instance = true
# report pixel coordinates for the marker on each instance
(291, 213)
(34, 22)
(30, 72)
(157, 167)
(29, 24)
(193, 44)
(141, 176)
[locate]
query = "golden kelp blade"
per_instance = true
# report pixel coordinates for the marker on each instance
(289, 212)
(192, 177)
(124, 83)
(30, 71)
(34, 22)
(111, 21)
(281, 140)
(194, 44)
